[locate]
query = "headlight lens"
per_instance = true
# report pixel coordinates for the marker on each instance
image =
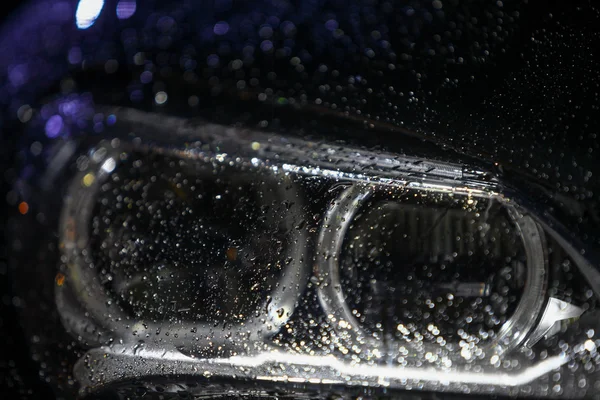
(161, 240)
(227, 257)
(438, 272)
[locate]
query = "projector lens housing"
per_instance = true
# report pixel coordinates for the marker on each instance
(430, 271)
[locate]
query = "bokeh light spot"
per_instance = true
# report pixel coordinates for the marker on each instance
(54, 126)
(221, 28)
(126, 8)
(87, 12)
(23, 207)
(88, 179)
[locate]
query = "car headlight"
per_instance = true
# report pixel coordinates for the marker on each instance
(219, 254)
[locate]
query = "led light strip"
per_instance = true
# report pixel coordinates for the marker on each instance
(113, 364)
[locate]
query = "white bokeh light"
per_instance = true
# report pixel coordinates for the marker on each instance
(87, 13)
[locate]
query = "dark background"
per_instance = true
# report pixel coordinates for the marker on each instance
(19, 376)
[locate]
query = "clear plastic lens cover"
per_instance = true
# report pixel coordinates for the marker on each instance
(220, 255)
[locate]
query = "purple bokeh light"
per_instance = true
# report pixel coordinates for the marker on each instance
(53, 126)
(126, 8)
(221, 28)
(331, 25)
(266, 45)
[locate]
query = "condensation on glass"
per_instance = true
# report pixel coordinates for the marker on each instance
(280, 260)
